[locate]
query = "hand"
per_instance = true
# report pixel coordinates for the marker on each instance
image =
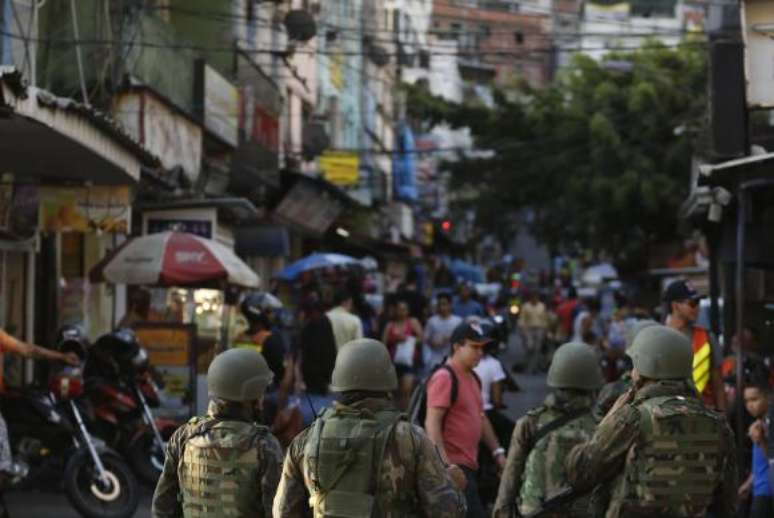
(623, 400)
(457, 476)
(71, 359)
(744, 491)
(500, 460)
(757, 432)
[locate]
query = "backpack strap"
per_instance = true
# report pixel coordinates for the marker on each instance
(558, 423)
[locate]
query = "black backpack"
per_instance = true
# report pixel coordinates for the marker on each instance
(417, 410)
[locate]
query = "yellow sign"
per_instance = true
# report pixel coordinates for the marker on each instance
(168, 346)
(340, 168)
(84, 209)
(336, 70)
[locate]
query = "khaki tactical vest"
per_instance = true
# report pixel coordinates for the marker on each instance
(219, 475)
(544, 473)
(677, 464)
(345, 451)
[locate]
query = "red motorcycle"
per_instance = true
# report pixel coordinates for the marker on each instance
(122, 391)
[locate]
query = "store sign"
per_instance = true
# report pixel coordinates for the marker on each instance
(201, 228)
(258, 153)
(171, 351)
(175, 139)
(84, 209)
(218, 100)
(340, 168)
(308, 208)
(758, 32)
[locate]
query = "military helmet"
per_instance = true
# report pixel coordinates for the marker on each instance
(575, 366)
(636, 328)
(364, 364)
(238, 375)
(660, 352)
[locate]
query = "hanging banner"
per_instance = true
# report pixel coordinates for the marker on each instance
(85, 209)
(340, 168)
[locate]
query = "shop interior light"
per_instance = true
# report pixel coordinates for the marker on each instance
(342, 232)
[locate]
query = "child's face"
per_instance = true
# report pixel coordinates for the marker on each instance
(756, 402)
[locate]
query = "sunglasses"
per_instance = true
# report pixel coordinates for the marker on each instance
(691, 302)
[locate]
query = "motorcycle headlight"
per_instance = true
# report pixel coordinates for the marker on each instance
(514, 309)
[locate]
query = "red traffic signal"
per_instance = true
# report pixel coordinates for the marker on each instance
(446, 225)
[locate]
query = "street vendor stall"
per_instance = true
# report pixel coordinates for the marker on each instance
(180, 260)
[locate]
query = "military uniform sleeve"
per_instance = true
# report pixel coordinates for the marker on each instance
(437, 495)
(604, 455)
(292, 498)
(726, 497)
(510, 483)
(270, 462)
(166, 497)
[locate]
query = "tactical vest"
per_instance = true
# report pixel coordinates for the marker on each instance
(219, 471)
(345, 451)
(544, 473)
(677, 463)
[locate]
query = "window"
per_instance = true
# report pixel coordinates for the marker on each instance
(424, 60)
(518, 37)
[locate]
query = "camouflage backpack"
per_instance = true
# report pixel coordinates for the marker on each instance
(544, 473)
(219, 472)
(678, 462)
(345, 448)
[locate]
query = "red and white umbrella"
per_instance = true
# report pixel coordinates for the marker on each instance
(173, 259)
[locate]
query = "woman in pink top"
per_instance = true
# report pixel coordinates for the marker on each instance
(397, 331)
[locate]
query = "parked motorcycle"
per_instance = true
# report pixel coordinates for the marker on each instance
(122, 390)
(48, 433)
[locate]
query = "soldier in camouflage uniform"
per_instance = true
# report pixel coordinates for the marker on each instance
(664, 452)
(361, 458)
(223, 464)
(613, 390)
(541, 440)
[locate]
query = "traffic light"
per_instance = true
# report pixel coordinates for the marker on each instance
(446, 225)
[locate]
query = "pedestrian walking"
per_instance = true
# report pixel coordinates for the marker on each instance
(465, 305)
(438, 332)
(543, 438)
(682, 306)
(662, 452)
(346, 325)
(533, 321)
(457, 425)
(361, 457)
(223, 464)
(402, 336)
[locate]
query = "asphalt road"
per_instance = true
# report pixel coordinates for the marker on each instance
(50, 504)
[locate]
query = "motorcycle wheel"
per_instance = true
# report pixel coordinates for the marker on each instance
(146, 458)
(89, 498)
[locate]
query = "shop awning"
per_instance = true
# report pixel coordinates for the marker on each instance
(50, 137)
(262, 241)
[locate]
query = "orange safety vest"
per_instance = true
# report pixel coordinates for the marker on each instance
(702, 365)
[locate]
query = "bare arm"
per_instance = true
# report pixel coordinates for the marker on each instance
(497, 394)
(27, 350)
(716, 379)
(434, 427)
(417, 327)
(488, 435)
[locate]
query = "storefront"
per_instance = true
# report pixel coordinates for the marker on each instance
(68, 174)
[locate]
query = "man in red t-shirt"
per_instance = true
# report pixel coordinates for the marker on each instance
(457, 428)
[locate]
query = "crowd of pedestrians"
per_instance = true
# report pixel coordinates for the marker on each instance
(623, 380)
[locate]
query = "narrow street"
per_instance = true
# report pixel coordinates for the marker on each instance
(39, 504)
